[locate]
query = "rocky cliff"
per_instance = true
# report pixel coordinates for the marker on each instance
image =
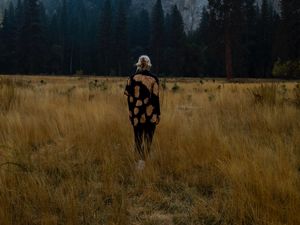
(190, 9)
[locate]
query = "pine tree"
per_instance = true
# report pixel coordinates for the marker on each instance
(215, 48)
(32, 40)
(226, 21)
(79, 39)
(227, 7)
(177, 29)
(177, 43)
(201, 33)
(3, 39)
(265, 39)
(8, 41)
(105, 37)
(55, 55)
(64, 37)
(143, 30)
(121, 41)
(290, 29)
(168, 49)
(157, 36)
(198, 46)
(233, 21)
(20, 17)
(249, 33)
(139, 33)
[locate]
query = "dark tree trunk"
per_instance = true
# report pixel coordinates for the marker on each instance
(228, 54)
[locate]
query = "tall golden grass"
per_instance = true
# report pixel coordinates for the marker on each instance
(224, 153)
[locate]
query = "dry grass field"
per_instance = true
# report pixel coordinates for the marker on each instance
(223, 154)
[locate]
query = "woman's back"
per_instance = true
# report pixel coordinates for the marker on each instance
(142, 90)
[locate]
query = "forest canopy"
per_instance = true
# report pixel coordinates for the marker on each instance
(236, 38)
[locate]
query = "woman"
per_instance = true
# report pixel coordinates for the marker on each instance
(142, 90)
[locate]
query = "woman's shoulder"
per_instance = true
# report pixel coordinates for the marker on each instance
(145, 73)
(155, 77)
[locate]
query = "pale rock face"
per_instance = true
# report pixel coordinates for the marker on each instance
(3, 5)
(191, 12)
(190, 9)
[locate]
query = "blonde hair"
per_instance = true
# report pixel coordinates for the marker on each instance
(144, 63)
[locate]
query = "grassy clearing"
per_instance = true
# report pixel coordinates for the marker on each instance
(223, 154)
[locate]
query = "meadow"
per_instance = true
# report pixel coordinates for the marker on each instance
(223, 154)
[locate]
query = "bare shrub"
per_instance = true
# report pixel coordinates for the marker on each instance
(96, 85)
(22, 83)
(175, 87)
(297, 95)
(164, 84)
(7, 94)
(264, 94)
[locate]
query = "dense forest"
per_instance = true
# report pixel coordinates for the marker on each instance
(235, 38)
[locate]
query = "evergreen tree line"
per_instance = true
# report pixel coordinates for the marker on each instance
(235, 38)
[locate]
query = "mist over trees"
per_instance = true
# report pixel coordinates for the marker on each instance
(235, 38)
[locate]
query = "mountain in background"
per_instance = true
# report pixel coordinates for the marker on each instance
(237, 38)
(191, 9)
